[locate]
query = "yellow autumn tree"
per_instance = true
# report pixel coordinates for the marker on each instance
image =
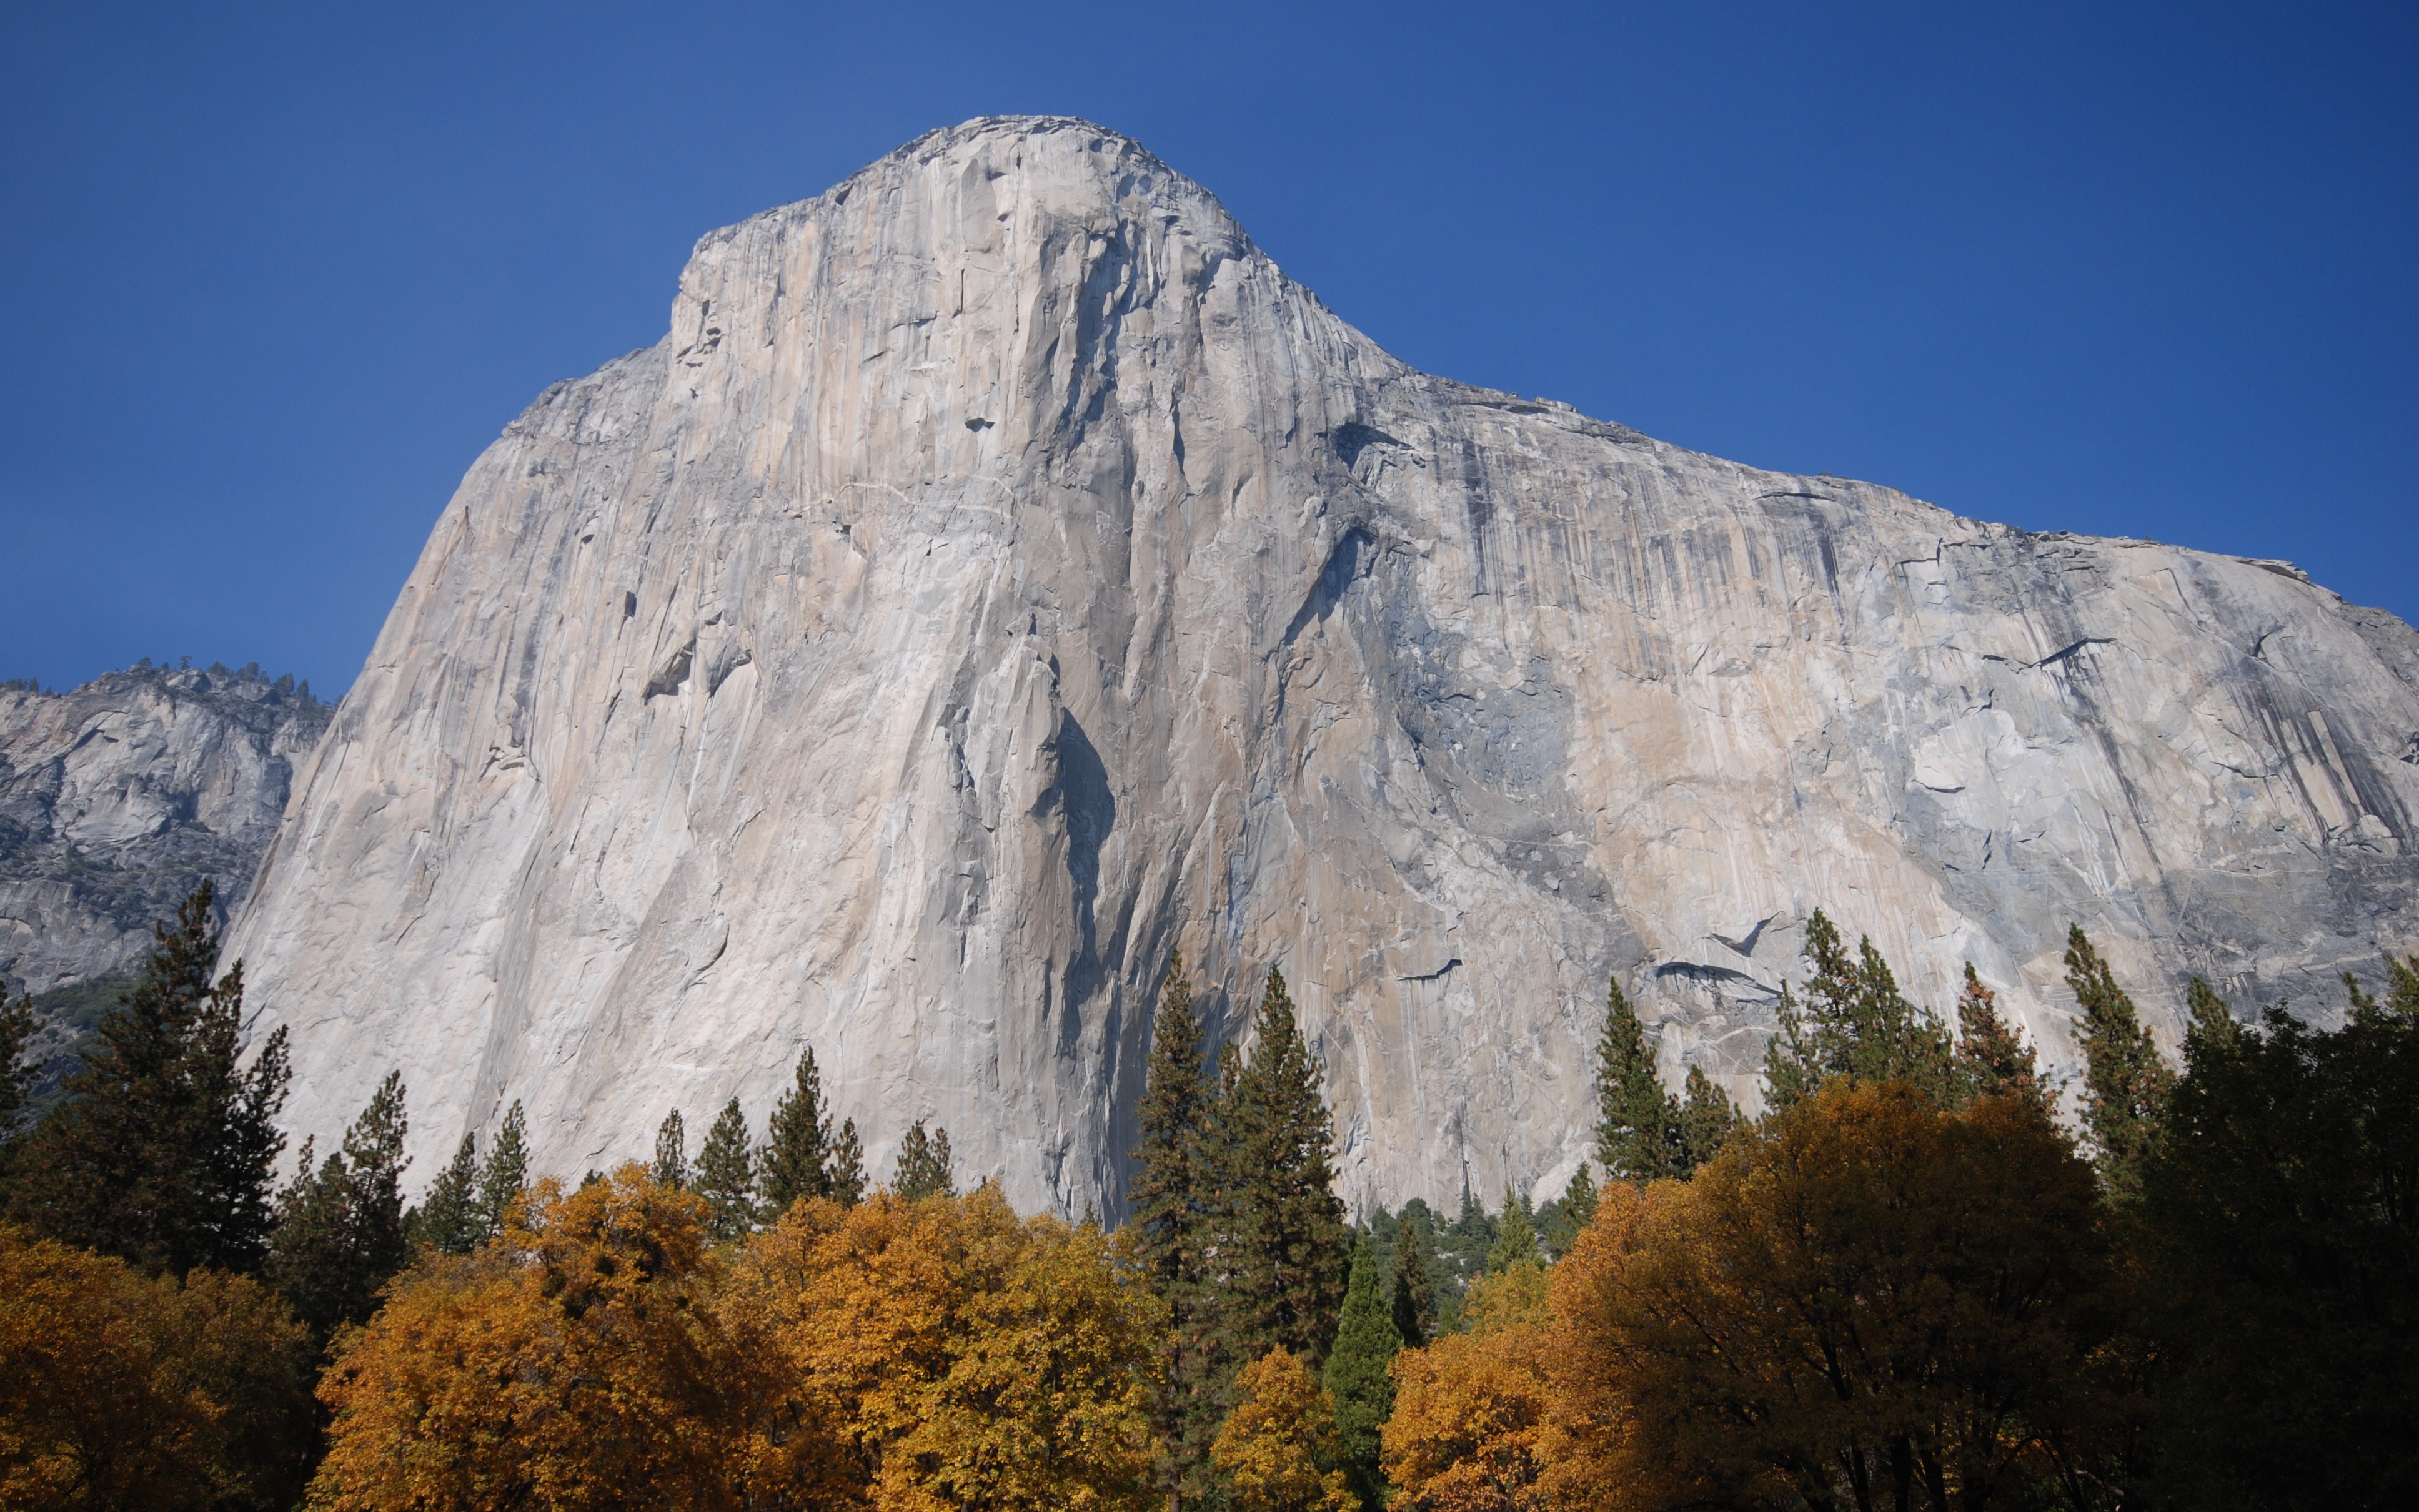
(118, 1389)
(1279, 1448)
(572, 1360)
(944, 1352)
(1474, 1425)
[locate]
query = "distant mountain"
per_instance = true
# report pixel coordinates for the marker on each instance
(116, 799)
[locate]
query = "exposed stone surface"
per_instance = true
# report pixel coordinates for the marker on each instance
(116, 799)
(1003, 572)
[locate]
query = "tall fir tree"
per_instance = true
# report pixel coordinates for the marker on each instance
(1707, 1117)
(1169, 1214)
(2125, 1084)
(1571, 1215)
(1993, 1060)
(506, 1174)
(1415, 1289)
(17, 1028)
(1635, 1116)
(923, 1168)
(1366, 1342)
(1516, 1236)
(447, 1218)
(670, 1166)
(847, 1165)
(726, 1176)
(797, 1143)
(1853, 1021)
(339, 1234)
(1288, 1271)
(165, 1151)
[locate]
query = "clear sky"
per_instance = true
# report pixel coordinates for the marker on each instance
(275, 275)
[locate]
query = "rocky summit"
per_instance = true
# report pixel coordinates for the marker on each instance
(1002, 575)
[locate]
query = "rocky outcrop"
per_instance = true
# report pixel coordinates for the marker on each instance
(118, 799)
(1003, 573)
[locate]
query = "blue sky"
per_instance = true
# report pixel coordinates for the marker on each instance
(276, 274)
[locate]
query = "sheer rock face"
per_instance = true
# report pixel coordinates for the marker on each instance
(1002, 573)
(116, 799)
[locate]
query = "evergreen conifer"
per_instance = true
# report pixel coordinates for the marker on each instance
(2125, 1083)
(165, 1152)
(1366, 1341)
(1516, 1236)
(797, 1143)
(1168, 1208)
(447, 1220)
(1415, 1289)
(670, 1166)
(923, 1168)
(847, 1165)
(1635, 1116)
(1853, 1021)
(16, 1032)
(506, 1174)
(339, 1233)
(726, 1176)
(1291, 1259)
(1571, 1215)
(1706, 1119)
(1991, 1060)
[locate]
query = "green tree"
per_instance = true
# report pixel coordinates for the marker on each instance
(671, 1167)
(16, 1031)
(1288, 1272)
(726, 1176)
(1993, 1060)
(1853, 1021)
(1169, 1212)
(797, 1143)
(923, 1168)
(1707, 1118)
(1366, 1342)
(506, 1174)
(1414, 1290)
(1636, 1119)
(1516, 1236)
(165, 1151)
(847, 1165)
(339, 1234)
(2125, 1083)
(447, 1220)
(2281, 1202)
(1570, 1214)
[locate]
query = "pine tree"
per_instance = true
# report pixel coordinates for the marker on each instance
(165, 1151)
(1516, 1236)
(726, 1176)
(1414, 1291)
(1853, 1021)
(848, 1166)
(1366, 1341)
(1170, 1217)
(506, 1174)
(1707, 1117)
(1570, 1214)
(2125, 1084)
(339, 1232)
(1289, 1265)
(797, 1143)
(1991, 1060)
(1635, 1116)
(447, 1220)
(671, 1167)
(17, 1028)
(922, 1168)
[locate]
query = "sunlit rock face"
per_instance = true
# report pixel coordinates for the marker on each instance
(1003, 575)
(116, 799)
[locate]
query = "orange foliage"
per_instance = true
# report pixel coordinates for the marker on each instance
(570, 1362)
(945, 1354)
(1474, 1425)
(122, 1390)
(1279, 1447)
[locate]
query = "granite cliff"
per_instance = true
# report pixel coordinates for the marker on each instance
(1002, 573)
